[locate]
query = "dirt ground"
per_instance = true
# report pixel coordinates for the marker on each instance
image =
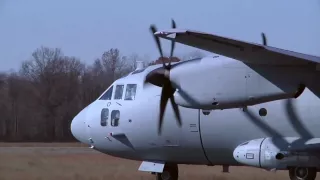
(69, 161)
(2, 144)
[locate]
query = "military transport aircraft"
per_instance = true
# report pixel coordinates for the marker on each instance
(255, 105)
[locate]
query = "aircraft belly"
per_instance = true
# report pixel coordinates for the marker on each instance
(223, 130)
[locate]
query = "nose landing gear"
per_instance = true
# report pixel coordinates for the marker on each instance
(170, 172)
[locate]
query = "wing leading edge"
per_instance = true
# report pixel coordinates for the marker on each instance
(239, 50)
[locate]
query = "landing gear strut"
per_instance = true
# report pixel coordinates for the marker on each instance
(302, 173)
(170, 172)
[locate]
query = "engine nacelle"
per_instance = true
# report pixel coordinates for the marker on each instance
(275, 153)
(222, 83)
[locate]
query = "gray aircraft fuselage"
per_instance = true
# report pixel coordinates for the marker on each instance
(207, 136)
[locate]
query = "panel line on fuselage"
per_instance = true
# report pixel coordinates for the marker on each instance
(200, 135)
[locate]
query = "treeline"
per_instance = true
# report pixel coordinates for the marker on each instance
(39, 100)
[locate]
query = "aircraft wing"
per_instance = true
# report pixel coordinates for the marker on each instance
(236, 49)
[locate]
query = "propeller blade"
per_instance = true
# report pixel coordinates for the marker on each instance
(161, 77)
(264, 39)
(176, 110)
(153, 29)
(173, 24)
(172, 42)
(163, 104)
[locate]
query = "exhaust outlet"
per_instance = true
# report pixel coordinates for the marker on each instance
(279, 156)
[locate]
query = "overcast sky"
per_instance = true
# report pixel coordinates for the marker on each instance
(85, 28)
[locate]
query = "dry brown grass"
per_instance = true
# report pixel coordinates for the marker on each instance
(41, 165)
(68, 144)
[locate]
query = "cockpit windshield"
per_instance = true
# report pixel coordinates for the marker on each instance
(107, 95)
(130, 92)
(119, 92)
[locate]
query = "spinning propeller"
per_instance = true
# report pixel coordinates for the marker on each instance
(161, 77)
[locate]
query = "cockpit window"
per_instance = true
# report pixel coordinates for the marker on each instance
(130, 92)
(107, 95)
(119, 92)
(104, 117)
(115, 117)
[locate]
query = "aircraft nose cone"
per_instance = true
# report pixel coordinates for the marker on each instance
(78, 127)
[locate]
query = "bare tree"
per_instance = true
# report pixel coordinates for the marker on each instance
(39, 101)
(5, 108)
(132, 61)
(55, 78)
(134, 58)
(113, 63)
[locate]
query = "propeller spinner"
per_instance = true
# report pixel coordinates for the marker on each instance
(161, 77)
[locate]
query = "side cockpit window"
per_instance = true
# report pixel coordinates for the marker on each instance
(104, 117)
(130, 92)
(115, 117)
(119, 92)
(107, 95)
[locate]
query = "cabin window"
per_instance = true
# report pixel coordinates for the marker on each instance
(107, 95)
(130, 92)
(104, 117)
(119, 92)
(115, 117)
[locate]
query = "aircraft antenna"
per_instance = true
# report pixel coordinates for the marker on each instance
(139, 65)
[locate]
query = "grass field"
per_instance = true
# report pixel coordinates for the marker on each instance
(69, 161)
(2, 144)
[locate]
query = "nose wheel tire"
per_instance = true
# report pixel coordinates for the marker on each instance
(170, 172)
(302, 173)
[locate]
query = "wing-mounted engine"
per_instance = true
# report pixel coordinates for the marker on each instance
(214, 82)
(279, 153)
(222, 83)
